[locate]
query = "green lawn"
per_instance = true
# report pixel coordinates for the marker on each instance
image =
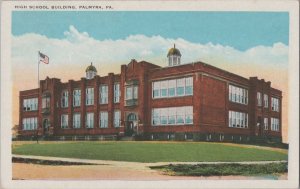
(150, 151)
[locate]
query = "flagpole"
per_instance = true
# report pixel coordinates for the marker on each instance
(37, 135)
(39, 69)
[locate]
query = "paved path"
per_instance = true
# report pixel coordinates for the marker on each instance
(126, 163)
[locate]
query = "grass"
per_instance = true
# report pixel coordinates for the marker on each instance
(150, 151)
(223, 169)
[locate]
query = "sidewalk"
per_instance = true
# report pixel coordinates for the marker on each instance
(127, 163)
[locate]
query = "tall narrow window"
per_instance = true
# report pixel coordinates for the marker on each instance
(76, 120)
(103, 120)
(64, 99)
(128, 93)
(64, 121)
(266, 101)
(89, 99)
(89, 120)
(76, 97)
(117, 118)
(116, 92)
(266, 123)
(103, 94)
(135, 92)
(259, 100)
(46, 102)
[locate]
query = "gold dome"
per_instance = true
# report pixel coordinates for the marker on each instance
(174, 51)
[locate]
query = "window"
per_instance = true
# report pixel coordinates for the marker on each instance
(64, 121)
(89, 120)
(76, 120)
(117, 93)
(163, 89)
(259, 100)
(131, 92)
(64, 99)
(117, 119)
(180, 87)
(275, 104)
(266, 123)
(189, 86)
(238, 119)
(89, 99)
(45, 102)
(172, 116)
(172, 88)
(128, 93)
(135, 92)
(30, 104)
(156, 87)
(29, 123)
(274, 124)
(103, 94)
(238, 95)
(76, 97)
(266, 101)
(103, 120)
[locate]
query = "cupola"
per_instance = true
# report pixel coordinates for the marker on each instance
(90, 71)
(174, 56)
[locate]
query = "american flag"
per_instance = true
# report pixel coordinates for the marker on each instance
(44, 58)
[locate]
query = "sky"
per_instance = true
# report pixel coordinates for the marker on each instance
(242, 32)
(245, 43)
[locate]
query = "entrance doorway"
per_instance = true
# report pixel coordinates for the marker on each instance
(130, 124)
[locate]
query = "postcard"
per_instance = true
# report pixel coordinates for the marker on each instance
(150, 94)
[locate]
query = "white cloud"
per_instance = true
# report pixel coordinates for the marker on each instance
(78, 48)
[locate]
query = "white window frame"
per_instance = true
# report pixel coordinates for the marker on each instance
(65, 99)
(64, 121)
(237, 119)
(266, 124)
(103, 119)
(259, 99)
(30, 104)
(117, 118)
(266, 101)
(89, 120)
(76, 97)
(275, 104)
(169, 116)
(238, 94)
(117, 92)
(76, 120)
(103, 91)
(89, 98)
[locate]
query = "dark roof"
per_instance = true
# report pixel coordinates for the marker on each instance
(91, 68)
